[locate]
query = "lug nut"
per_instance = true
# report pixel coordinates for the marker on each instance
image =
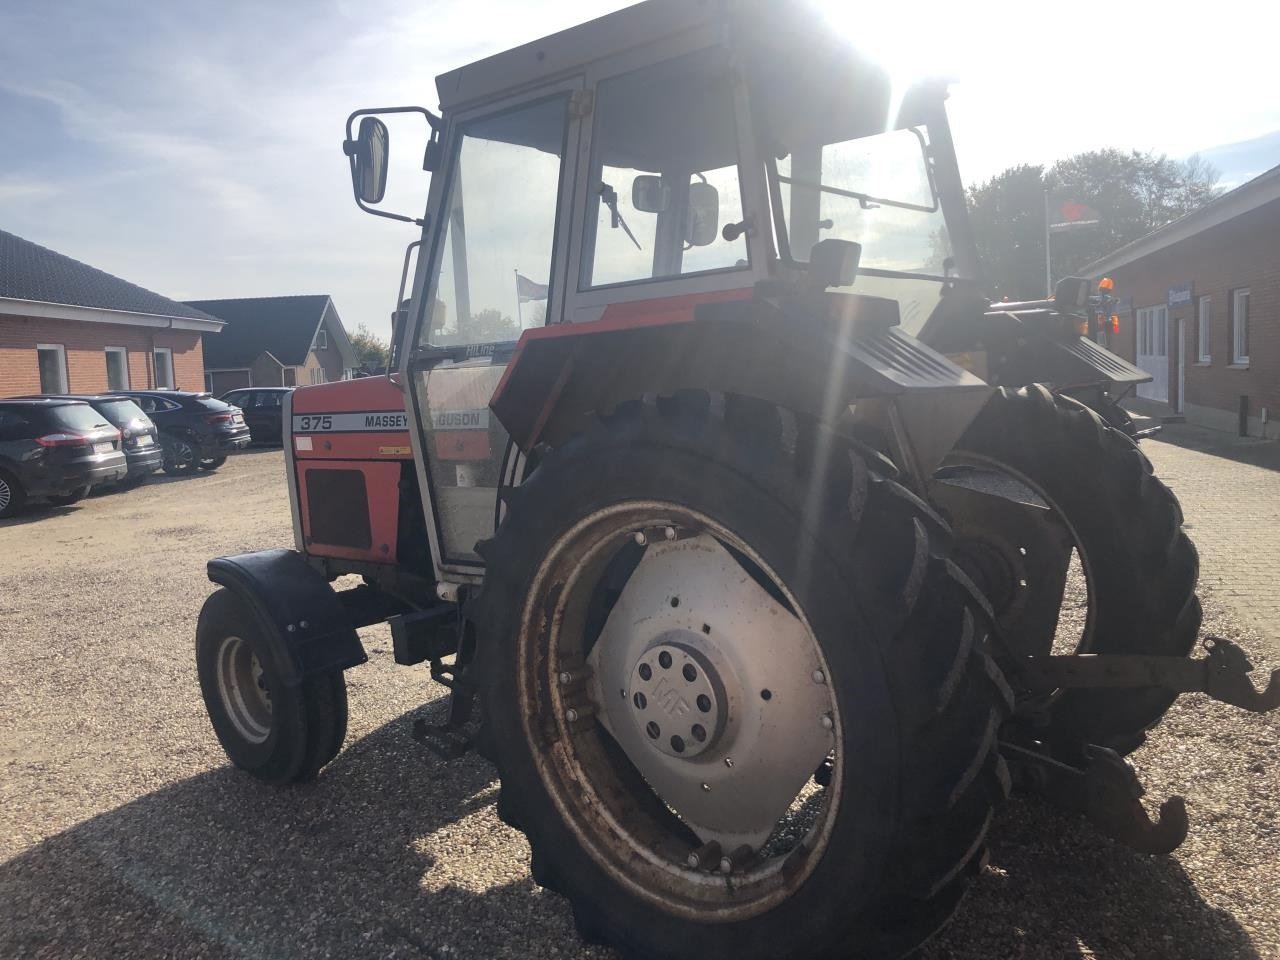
(669, 533)
(705, 856)
(640, 538)
(736, 860)
(819, 677)
(706, 788)
(728, 761)
(827, 722)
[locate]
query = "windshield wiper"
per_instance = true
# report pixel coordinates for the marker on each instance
(865, 200)
(610, 198)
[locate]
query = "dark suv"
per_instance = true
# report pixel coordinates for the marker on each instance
(263, 409)
(195, 429)
(138, 435)
(55, 448)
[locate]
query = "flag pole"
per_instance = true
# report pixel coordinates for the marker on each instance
(519, 318)
(1048, 263)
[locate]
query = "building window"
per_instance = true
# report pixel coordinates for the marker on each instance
(117, 368)
(1240, 327)
(317, 375)
(52, 358)
(1202, 329)
(164, 368)
(322, 339)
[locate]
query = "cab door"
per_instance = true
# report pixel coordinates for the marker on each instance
(495, 267)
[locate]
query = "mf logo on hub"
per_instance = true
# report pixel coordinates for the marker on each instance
(668, 699)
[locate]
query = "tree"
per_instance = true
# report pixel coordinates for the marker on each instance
(371, 350)
(487, 326)
(1133, 193)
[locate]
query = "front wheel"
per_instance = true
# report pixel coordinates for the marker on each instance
(737, 712)
(277, 732)
(12, 496)
(1107, 569)
(213, 463)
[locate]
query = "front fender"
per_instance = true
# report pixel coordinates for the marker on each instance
(310, 629)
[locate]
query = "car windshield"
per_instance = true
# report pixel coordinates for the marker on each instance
(875, 190)
(120, 412)
(77, 416)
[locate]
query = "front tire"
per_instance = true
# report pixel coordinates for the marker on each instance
(180, 457)
(276, 732)
(1139, 565)
(873, 863)
(212, 464)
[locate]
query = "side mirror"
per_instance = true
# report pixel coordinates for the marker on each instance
(649, 194)
(703, 224)
(368, 153)
(834, 263)
(1071, 293)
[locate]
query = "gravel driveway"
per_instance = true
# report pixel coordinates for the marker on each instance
(124, 833)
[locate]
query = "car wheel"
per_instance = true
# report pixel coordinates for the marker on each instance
(179, 456)
(213, 464)
(67, 499)
(12, 496)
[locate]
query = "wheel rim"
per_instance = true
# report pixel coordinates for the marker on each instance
(1010, 567)
(243, 689)
(687, 715)
(6, 495)
(183, 455)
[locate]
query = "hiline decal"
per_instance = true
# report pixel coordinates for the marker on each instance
(387, 421)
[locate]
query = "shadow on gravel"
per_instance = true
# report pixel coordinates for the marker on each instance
(220, 866)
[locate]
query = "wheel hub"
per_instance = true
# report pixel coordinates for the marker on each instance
(676, 699)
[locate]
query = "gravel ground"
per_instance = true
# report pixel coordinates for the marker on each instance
(124, 833)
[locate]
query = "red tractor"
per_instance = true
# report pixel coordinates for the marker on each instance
(771, 553)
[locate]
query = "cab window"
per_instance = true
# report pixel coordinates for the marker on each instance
(664, 175)
(494, 277)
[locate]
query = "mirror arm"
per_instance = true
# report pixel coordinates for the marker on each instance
(349, 148)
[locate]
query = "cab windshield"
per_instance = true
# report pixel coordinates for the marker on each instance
(876, 190)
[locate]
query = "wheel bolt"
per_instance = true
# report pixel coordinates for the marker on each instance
(735, 860)
(669, 533)
(640, 538)
(827, 722)
(819, 677)
(706, 788)
(704, 856)
(728, 761)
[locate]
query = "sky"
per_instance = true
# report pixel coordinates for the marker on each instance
(195, 148)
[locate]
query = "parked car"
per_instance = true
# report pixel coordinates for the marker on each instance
(263, 409)
(196, 430)
(138, 434)
(55, 448)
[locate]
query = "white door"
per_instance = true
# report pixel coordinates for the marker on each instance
(1153, 352)
(1181, 345)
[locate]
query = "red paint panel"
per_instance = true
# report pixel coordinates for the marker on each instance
(382, 486)
(348, 396)
(355, 446)
(462, 445)
(623, 316)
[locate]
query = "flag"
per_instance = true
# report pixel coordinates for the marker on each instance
(527, 290)
(1071, 214)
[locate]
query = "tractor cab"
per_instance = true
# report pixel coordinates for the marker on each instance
(632, 170)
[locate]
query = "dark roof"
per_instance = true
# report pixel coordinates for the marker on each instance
(284, 326)
(29, 271)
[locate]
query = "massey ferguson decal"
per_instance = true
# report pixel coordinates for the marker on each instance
(387, 421)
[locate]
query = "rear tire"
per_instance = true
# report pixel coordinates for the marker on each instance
(278, 733)
(212, 464)
(1141, 566)
(902, 636)
(180, 457)
(12, 496)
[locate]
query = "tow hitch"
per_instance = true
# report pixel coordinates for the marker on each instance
(1102, 786)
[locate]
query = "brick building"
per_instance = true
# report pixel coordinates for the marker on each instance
(1202, 310)
(68, 327)
(275, 342)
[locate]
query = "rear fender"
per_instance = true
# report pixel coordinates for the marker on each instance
(815, 362)
(309, 628)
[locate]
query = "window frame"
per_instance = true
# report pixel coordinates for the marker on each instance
(155, 368)
(321, 341)
(64, 378)
(1239, 328)
(1204, 314)
(123, 353)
